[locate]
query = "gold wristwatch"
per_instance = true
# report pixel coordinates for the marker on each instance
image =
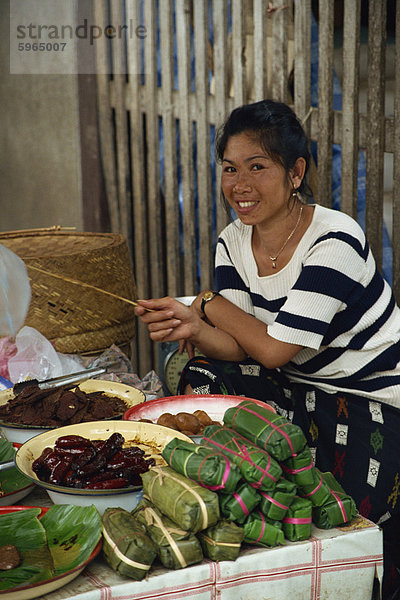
(207, 296)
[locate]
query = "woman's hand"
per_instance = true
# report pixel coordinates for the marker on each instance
(168, 319)
(187, 346)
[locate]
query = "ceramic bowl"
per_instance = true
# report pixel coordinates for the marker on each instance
(214, 405)
(13, 486)
(152, 438)
(21, 433)
(17, 495)
(38, 590)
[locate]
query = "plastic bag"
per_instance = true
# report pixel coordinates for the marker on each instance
(8, 348)
(122, 372)
(36, 358)
(15, 292)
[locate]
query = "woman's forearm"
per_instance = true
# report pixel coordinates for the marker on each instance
(250, 334)
(216, 343)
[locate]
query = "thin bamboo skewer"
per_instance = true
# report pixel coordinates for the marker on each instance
(87, 285)
(60, 228)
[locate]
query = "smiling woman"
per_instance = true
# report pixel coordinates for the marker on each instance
(300, 316)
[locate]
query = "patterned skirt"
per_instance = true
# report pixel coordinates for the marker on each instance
(353, 437)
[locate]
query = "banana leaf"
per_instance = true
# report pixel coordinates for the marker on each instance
(274, 504)
(318, 493)
(300, 468)
(257, 467)
(338, 509)
(73, 532)
(221, 541)
(210, 468)
(12, 479)
(268, 430)
(126, 546)
(176, 547)
(297, 522)
(23, 530)
(261, 531)
(191, 506)
(7, 450)
(237, 506)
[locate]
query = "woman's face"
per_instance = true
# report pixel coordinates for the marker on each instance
(256, 187)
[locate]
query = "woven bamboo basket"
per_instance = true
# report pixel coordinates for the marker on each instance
(75, 318)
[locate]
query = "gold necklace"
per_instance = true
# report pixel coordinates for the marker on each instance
(275, 258)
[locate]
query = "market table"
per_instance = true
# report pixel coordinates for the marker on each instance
(346, 558)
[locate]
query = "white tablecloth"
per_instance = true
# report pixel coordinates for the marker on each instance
(346, 559)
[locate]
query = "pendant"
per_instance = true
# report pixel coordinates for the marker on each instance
(273, 264)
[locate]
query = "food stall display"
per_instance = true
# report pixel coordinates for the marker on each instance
(211, 505)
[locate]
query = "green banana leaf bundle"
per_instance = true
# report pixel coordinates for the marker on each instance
(300, 468)
(318, 492)
(274, 504)
(261, 531)
(340, 508)
(297, 523)
(237, 506)
(23, 530)
(211, 468)
(191, 506)
(176, 547)
(221, 541)
(256, 466)
(268, 430)
(126, 546)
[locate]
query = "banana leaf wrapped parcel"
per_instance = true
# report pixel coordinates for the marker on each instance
(238, 505)
(191, 506)
(126, 546)
(268, 430)
(261, 531)
(221, 541)
(209, 467)
(297, 523)
(318, 492)
(300, 468)
(274, 504)
(338, 509)
(257, 467)
(177, 548)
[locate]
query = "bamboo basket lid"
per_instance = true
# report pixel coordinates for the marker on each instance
(77, 318)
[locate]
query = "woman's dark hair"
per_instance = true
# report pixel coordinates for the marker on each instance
(275, 127)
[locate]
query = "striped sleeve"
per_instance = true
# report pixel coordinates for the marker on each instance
(231, 279)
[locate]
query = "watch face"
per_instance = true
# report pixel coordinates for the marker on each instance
(208, 295)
